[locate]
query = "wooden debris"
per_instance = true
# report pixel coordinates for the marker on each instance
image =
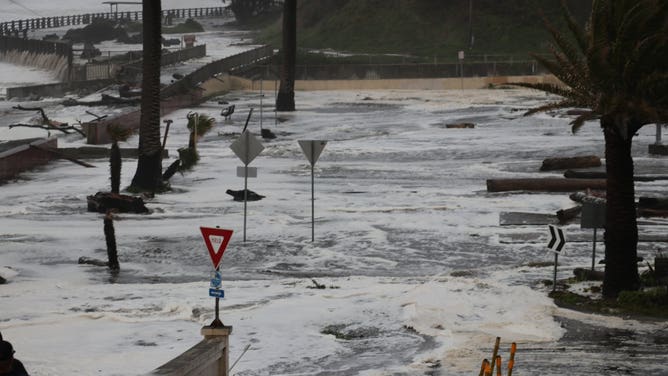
(551, 164)
(544, 184)
(592, 197)
(576, 174)
(92, 261)
(107, 100)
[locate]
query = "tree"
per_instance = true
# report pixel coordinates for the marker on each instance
(616, 68)
(285, 101)
(148, 176)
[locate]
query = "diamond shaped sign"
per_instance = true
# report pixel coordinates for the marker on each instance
(247, 147)
(312, 149)
(216, 240)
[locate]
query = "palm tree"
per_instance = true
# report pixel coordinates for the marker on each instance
(285, 101)
(616, 68)
(148, 176)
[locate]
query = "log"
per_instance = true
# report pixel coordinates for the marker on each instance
(653, 203)
(565, 215)
(652, 213)
(574, 174)
(583, 197)
(550, 164)
(101, 202)
(544, 184)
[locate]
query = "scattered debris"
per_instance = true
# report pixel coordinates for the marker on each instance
(460, 125)
(101, 202)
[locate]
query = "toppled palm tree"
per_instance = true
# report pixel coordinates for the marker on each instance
(616, 67)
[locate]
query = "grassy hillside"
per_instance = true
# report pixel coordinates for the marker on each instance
(425, 27)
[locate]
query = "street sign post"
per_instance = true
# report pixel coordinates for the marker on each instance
(556, 244)
(246, 147)
(216, 240)
(593, 216)
(312, 149)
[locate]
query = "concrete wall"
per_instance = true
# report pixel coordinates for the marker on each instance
(19, 156)
(238, 83)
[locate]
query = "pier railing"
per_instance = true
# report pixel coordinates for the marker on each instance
(21, 26)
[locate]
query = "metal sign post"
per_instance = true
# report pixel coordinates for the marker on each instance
(312, 149)
(556, 244)
(593, 216)
(246, 147)
(216, 240)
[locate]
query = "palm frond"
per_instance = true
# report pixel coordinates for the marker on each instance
(548, 88)
(581, 119)
(576, 30)
(552, 106)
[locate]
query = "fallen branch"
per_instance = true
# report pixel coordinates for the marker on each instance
(62, 155)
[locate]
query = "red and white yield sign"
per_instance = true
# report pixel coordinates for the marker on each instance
(216, 240)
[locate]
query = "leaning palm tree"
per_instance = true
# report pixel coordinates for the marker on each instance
(148, 176)
(285, 100)
(616, 67)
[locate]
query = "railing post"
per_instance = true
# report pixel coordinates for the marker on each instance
(221, 334)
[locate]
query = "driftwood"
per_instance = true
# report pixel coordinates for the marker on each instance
(92, 261)
(63, 127)
(550, 164)
(460, 125)
(644, 212)
(653, 203)
(102, 202)
(46, 123)
(107, 100)
(239, 195)
(565, 215)
(543, 184)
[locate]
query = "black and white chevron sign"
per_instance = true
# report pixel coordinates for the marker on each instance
(557, 240)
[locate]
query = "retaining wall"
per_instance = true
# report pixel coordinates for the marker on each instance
(57, 89)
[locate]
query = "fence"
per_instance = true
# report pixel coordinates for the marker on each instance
(17, 26)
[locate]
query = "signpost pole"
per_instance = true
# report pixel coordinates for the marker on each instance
(245, 197)
(556, 262)
(216, 321)
(593, 253)
(312, 205)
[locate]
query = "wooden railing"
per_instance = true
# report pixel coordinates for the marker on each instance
(18, 26)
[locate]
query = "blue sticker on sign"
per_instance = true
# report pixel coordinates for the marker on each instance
(217, 293)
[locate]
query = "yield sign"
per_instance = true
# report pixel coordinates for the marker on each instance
(557, 240)
(247, 147)
(216, 240)
(312, 149)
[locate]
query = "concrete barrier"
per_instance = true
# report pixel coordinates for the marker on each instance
(210, 357)
(18, 156)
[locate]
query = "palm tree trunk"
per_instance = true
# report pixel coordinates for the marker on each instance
(621, 229)
(285, 101)
(148, 176)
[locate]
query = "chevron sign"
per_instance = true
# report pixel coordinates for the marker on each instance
(557, 240)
